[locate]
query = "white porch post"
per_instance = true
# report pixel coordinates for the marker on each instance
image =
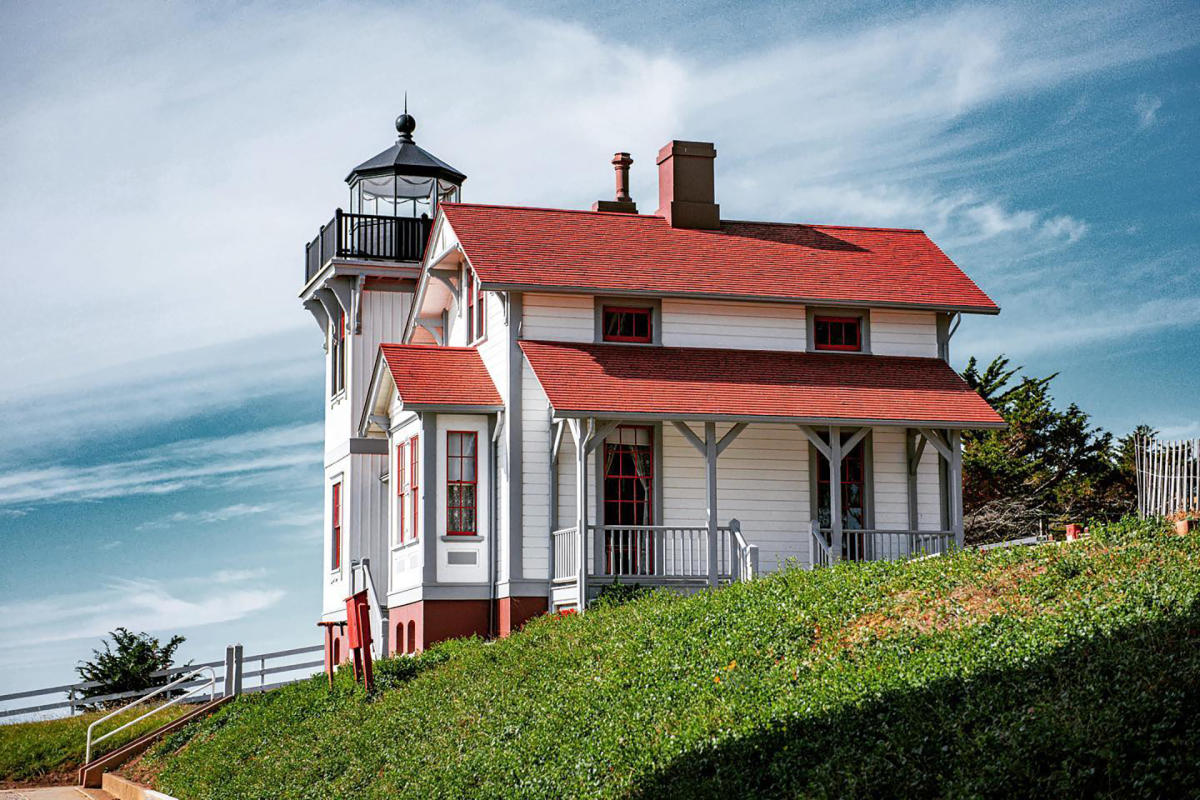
(710, 485)
(581, 432)
(835, 492)
(956, 503)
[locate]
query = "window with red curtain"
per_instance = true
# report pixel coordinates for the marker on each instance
(413, 481)
(629, 499)
(461, 483)
(335, 531)
(626, 324)
(402, 489)
(837, 333)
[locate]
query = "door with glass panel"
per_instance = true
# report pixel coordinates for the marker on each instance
(628, 471)
(853, 481)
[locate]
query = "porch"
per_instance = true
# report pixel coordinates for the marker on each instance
(822, 456)
(631, 482)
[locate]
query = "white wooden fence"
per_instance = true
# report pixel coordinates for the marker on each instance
(1168, 476)
(267, 671)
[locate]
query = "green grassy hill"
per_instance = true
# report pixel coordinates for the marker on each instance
(50, 751)
(1065, 670)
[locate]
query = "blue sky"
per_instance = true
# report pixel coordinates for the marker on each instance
(164, 164)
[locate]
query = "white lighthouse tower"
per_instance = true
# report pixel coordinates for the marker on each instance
(359, 277)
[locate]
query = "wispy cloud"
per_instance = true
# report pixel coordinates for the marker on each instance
(170, 468)
(1096, 328)
(1146, 108)
(112, 544)
(207, 517)
(141, 605)
(238, 575)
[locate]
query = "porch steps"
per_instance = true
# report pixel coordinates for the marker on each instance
(96, 772)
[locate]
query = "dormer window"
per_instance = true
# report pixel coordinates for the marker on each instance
(837, 333)
(622, 324)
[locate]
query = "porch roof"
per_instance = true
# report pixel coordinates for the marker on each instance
(631, 382)
(431, 376)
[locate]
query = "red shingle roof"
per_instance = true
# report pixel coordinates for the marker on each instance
(703, 382)
(428, 375)
(575, 250)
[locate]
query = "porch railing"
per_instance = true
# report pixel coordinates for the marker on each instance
(565, 548)
(661, 551)
(876, 545)
(653, 552)
(366, 236)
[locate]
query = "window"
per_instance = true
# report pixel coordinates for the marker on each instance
(460, 483)
(403, 490)
(413, 481)
(629, 500)
(335, 531)
(475, 310)
(627, 324)
(337, 356)
(837, 333)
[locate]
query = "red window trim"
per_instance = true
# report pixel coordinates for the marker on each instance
(856, 321)
(640, 311)
(402, 487)
(630, 550)
(474, 457)
(414, 484)
(336, 529)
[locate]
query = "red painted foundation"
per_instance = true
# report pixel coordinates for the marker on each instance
(514, 612)
(416, 626)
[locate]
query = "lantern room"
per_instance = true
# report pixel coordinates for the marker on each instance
(393, 200)
(404, 180)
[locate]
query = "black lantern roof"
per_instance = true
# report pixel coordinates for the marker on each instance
(406, 158)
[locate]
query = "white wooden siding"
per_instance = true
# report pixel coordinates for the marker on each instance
(890, 467)
(383, 315)
(559, 317)
(904, 333)
(364, 524)
(748, 326)
(493, 350)
(762, 481)
(535, 479)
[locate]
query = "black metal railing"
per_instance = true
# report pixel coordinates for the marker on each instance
(366, 236)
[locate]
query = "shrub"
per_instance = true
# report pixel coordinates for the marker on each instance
(127, 664)
(617, 593)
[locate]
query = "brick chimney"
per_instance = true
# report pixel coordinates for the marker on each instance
(624, 203)
(685, 185)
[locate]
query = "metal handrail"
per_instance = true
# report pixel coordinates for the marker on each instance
(211, 684)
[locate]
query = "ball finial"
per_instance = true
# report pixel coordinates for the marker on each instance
(405, 125)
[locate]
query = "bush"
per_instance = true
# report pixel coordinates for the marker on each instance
(127, 664)
(617, 593)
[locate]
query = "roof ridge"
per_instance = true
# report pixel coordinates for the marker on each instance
(587, 211)
(823, 225)
(422, 346)
(626, 215)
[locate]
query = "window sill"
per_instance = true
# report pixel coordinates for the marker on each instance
(405, 545)
(337, 398)
(460, 537)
